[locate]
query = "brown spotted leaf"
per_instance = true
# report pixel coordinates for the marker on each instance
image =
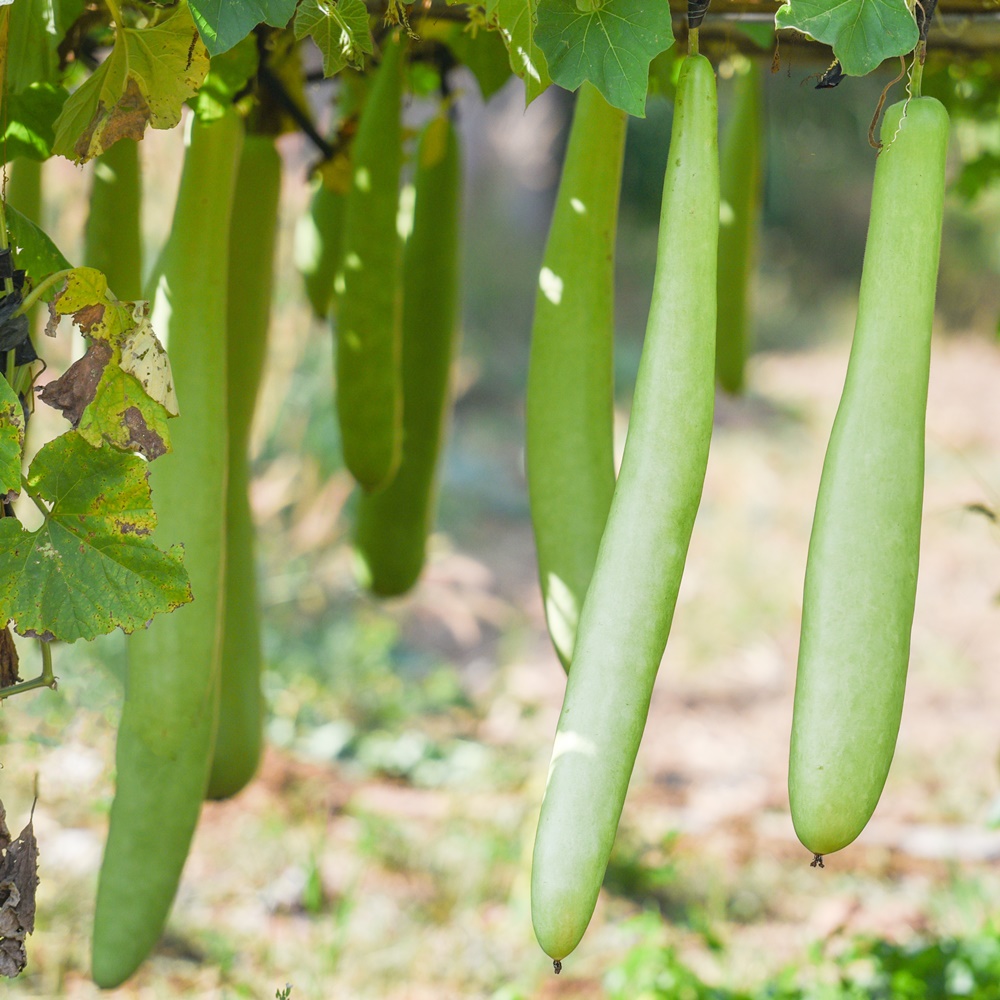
(91, 566)
(121, 392)
(12, 426)
(145, 81)
(18, 882)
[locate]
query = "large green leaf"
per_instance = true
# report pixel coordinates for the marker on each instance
(36, 29)
(339, 28)
(223, 23)
(861, 32)
(609, 43)
(91, 567)
(30, 118)
(34, 251)
(484, 54)
(515, 19)
(12, 425)
(145, 80)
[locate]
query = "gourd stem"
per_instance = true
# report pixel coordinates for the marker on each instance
(45, 679)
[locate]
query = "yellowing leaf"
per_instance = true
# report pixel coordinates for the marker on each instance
(145, 81)
(144, 357)
(121, 392)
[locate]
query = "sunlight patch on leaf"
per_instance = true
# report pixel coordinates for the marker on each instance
(340, 30)
(515, 20)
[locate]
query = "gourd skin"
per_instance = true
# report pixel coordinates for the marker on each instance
(369, 313)
(569, 416)
(113, 236)
(393, 524)
(740, 166)
(629, 606)
(253, 235)
(861, 574)
(168, 722)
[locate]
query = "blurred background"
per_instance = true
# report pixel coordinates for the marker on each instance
(384, 849)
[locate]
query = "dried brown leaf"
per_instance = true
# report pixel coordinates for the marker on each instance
(9, 663)
(18, 882)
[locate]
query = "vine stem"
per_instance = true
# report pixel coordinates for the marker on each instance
(8, 284)
(45, 679)
(917, 70)
(693, 42)
(115, 11)
(35, 498)
(40, 289)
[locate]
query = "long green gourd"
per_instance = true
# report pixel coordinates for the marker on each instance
(168, 722)
(24, 187)
(318, 239)
(319, 233)
(369, 333)
(252, 239)
(113, 235)
(861, 574)
(393, 524)
(570, 396)
(629, 606)
(740, 165)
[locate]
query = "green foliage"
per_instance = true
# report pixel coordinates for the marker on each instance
(228, 75)
(340, 30)
(223, 23)
(611, 44)
(34, 251)
(484, 53)
(861, 32)
(869, 969)
(90, 567)
(516, 22)
(30, 118)
(12, 425)
(146, 79)
(36, 29)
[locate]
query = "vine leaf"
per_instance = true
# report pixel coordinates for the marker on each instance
(121, 391)
(30, 121)
(339, 28)
(515, 20)
(611, 44)
(862, 33)
(34, 251)
(36, 29)
(228, 76)
(11, 441)
(146, 79)
(91, 567)
(223, 23)
(484, 53)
